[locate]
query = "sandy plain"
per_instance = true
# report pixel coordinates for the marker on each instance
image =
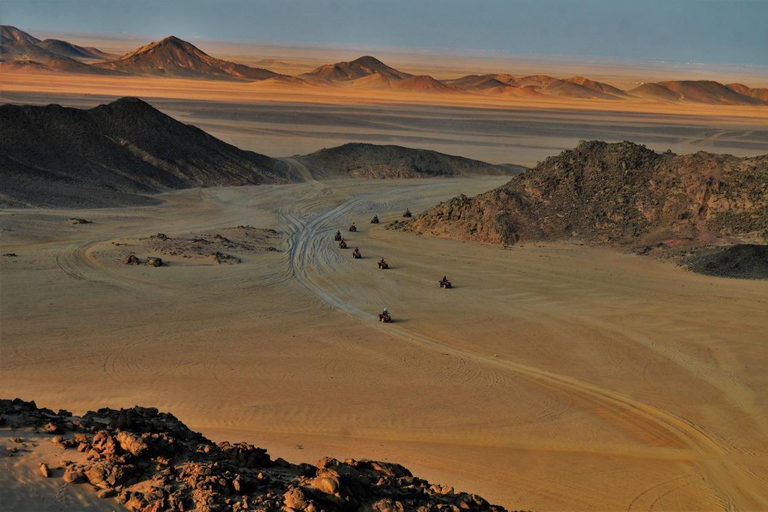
(553, 377)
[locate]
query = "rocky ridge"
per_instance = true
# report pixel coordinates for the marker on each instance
(149, 462)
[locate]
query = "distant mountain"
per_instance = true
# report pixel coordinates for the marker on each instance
(700, 91)
(58, 64)
(114, 154)
(73, 51)
(550, 86)
(425, 84)
(173, 57)
(597, 86)
(482, 82)
(576, 87)
(374, 161)
(760, 94)
(353, 70)
(16, 44)
(614, 194)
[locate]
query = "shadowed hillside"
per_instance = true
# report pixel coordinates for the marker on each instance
(615, 194)
(113, 154)
(374, 161)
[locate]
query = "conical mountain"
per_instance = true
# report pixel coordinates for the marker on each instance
(353, 70)
(178, 58)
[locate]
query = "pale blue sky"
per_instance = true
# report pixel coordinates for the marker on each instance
(724, 31)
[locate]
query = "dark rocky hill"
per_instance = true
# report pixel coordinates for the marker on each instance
(374, 161)
(114, 155)
(622, 193)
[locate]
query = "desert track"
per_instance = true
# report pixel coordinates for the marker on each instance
(553, 377)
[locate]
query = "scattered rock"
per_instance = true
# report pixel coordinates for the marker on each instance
(106, 493)
(220, 258)
(131, 259)
(10, 255)
(75, 220)
(159, 236)
(154, 261)
(72, 475)
(44, 470)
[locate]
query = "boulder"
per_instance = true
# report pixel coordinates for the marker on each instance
(131, 443)
(131, 259)
(154, 261)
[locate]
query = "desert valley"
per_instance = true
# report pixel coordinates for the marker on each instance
(180, 328)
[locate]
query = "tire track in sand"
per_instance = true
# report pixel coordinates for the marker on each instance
(719, 472)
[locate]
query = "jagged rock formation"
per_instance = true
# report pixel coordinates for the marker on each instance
(150, 461)
(619, 193)
(113, 155)
(373, 161)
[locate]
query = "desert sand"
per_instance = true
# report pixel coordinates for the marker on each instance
(553, 377)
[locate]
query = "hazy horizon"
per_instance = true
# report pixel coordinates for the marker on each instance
(691, 31)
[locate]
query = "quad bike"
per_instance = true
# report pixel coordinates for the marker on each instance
(407, 213)
(337, 236)
(383, 265)
(385, 318)
(375, 219)
(353, 228)
(356, 255)
(445, 284)
(342, 245)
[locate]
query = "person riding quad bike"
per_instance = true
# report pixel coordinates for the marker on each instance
(375, 219)
(384, 316)
(383, 264)
(356, 254)
(337, 236)
(407, 213)
(343, 244)
(353, 227)
(445, 283)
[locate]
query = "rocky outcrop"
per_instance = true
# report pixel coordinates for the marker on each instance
(622, 194)
(150, 461)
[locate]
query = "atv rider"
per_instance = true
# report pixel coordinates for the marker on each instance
(375, 219)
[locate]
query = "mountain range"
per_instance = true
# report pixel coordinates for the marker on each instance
(123, 152)
(173, 57)
(617, 194)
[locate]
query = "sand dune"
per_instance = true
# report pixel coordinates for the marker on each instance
(560, 357)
